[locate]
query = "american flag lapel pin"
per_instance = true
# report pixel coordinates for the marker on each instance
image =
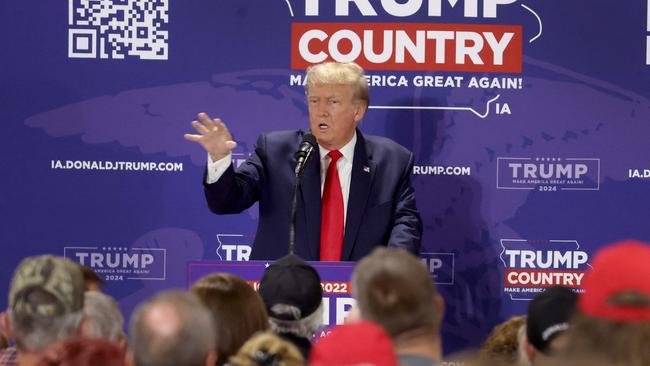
(366, 169)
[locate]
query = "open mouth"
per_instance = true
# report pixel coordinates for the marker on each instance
(323, 126)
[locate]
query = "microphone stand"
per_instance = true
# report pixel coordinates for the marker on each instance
(294, 203)
(294, 207)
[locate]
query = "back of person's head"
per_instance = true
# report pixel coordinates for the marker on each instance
(613, 318)
(362, 343)
(172, 329)
(579, 360)
(502, 345)
(92, 281)
(102, 317)
(472, 357)
(548, 320)
(267, 349)
(45, 302)
(394, 289)
(292, 293)
(83, 351)
(237, 309)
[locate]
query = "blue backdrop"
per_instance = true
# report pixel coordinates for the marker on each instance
(528, 120)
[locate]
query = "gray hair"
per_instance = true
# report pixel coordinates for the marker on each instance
(305, 327)
(35, 333)
(172, 329)
(103, 318)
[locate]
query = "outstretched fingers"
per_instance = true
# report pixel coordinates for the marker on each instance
(207, 121)
(190, 137)
(200, 128)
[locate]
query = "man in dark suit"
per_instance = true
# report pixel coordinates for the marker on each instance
(345, 209)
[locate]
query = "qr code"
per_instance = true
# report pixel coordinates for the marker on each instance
(118, 28)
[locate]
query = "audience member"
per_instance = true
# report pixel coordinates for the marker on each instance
(172, 329)
(45, 306)
(238, 311)
(361, 343)
(394, 289)
(5, 341)
(267, 349)
(292, 293)
(102, 318)
(83, 351)
(582, 360)
(547, 322)
(522, 356)
(613, 318)
(503, 345)
(222, 321)
(92, 281)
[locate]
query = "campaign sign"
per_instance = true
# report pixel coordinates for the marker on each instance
(440, 266)
(531, 266)
(548, 174)
(335, 281)
(119, 263)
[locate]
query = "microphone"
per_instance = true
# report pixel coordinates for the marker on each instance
(304, 152)
(302, 156)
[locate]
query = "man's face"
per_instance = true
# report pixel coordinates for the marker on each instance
(333, 114)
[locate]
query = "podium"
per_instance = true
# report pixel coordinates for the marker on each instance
(335, 281)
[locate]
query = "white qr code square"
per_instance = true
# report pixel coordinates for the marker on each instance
(116, 29)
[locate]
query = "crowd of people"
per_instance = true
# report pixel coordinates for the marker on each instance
(57, 315)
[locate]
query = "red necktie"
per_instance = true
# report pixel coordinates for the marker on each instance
(331, 227)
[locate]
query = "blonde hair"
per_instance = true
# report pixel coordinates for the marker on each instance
(504, 343)
(264, 346)
(338, 73)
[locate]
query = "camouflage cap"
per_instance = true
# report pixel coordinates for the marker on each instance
(46, 286)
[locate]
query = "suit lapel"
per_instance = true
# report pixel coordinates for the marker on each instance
(310, 192)
(363, 172)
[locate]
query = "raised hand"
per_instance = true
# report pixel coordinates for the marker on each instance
(213, 136)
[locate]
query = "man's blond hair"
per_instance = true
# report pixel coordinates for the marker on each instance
(336, 73)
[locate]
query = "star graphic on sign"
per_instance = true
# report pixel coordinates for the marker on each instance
(266, 265)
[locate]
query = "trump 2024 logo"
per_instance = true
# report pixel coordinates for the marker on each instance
(548, 174)
(117, 263)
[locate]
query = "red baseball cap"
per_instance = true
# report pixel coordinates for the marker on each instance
(363, 343)
(618, 268)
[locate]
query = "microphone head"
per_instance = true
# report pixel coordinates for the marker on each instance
(308, 137)
(306, 146)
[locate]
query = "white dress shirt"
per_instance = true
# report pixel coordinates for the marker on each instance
(343, 165)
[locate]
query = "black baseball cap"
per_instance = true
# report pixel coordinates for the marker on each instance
(291, 281)
(548, 316)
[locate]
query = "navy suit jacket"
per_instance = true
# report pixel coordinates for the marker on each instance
(381, 205)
